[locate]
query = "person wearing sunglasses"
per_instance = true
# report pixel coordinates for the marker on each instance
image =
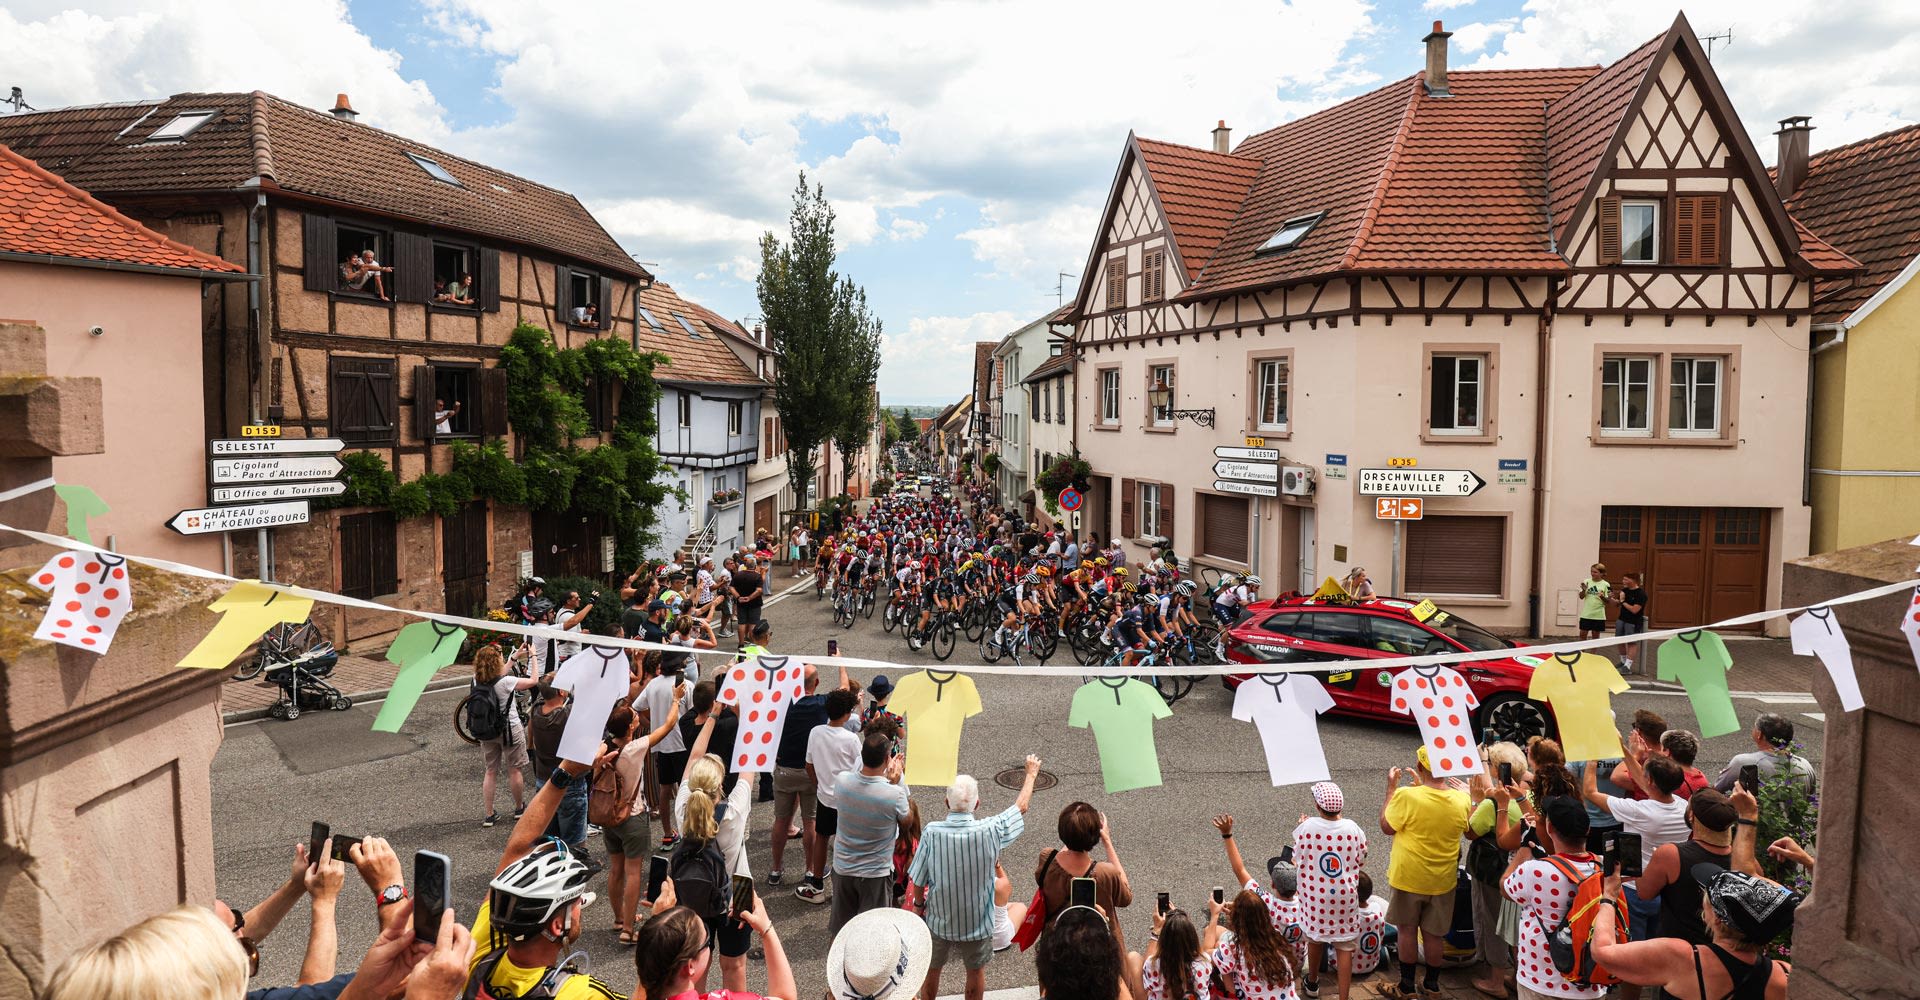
(676, 949)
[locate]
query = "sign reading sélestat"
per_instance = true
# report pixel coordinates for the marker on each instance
(1420, 482)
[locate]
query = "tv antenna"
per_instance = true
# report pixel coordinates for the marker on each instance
(19, 101)
(1725, 38)
(1060, 287)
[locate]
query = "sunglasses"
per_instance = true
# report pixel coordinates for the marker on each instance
(246, 943)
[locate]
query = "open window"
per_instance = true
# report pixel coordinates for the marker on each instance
(459, 400)
(363, 269)
(455, 276)
(583, 298)
(736, 417)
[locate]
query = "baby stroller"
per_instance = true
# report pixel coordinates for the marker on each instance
(299, 660)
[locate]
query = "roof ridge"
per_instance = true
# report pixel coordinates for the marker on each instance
(1858, 145)
(1200, 149)
(131, 225)
(1384, 181)
(1329, 109)
(262, 137)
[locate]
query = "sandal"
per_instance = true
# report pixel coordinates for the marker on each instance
(628, 936)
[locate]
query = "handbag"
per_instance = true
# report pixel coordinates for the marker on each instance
(1036, 919)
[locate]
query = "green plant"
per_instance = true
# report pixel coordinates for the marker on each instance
(491, 471)
(606, 611)
(368, 480)
(1787, 809)
(1067, 470)
(991, 464)
(411, 500)
(882, 485)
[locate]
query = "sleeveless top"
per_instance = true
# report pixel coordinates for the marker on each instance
(1749, 979)
(1680, 900)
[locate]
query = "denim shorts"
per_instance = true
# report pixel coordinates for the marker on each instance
(569, 822)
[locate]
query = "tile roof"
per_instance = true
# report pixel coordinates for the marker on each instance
(982, 365)
(44, 215)
(1864, 199)
(1058, 364)
(703, 360)
(1581, 124)
(105, 148)
(1200, 192)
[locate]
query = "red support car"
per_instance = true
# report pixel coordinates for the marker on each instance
(1292, 630)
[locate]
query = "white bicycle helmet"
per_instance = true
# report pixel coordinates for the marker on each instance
(529, 893)
(1184, 588)
(1252, 581)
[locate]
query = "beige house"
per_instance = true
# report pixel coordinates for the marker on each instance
(1577, 285)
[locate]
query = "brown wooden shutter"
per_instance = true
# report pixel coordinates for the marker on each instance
(347, 403)
(1455, 555)
(320, 244)
(386, 556)
(412, 278)
(383, 403)
(562, 291)
(1697, 229)
(1166, 513)
(423, 390)
(1223, 527)
(1609, 214)
(356, 557)
(1153, 276)
(493, 402)
(1117, 283)
(606, 303)
(1129, 492)
(489, 278)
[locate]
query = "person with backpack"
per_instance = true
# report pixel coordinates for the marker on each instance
(713, 849)
(488, 716)
(616, 803)
(1743, 913)
(1545, 884)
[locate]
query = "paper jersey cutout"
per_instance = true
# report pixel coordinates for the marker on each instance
(247, 611)
(1817, 633)
(420, 650)
(1700, 661)
(1121, 717)
(936, 707)
(1581, 687)
(761, 690)
(1439, 700)
(89, 594)
(1286, 710)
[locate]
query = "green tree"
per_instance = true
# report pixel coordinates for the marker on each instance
(906, 427)
(859, 369)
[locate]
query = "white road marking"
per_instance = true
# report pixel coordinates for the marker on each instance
(1017, 993)
(1816, 716)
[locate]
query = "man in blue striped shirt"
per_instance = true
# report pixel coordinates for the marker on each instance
(955, 864)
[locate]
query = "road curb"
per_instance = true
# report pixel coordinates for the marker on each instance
(256, 714)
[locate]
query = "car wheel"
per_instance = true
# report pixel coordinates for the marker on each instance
(1515, 719)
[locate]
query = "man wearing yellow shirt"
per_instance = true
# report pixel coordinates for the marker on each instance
(1425, 820)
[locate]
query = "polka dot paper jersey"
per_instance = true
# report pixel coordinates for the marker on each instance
(1440, 701)
(90, 593)
(761, 689)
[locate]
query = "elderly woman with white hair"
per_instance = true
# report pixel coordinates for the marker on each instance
(957, 864)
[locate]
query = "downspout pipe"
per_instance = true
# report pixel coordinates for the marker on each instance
(1541, 384)
(256, 410)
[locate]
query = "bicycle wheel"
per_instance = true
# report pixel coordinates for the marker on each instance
(867, 601)
(976, 621)
(1042, 641)
(890, 617)
(990, 650)
(848, 611)
(251, 669)
(944, 634)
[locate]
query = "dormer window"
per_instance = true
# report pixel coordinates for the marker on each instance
(647, 314)
(1291, 233)
(433, 169)
(687, 326)
(182, 125)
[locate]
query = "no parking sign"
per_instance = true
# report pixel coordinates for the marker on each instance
(1070, 499)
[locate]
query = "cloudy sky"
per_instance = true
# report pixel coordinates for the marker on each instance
(966, 146)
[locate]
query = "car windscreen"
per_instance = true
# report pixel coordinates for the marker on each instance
(1466, 633)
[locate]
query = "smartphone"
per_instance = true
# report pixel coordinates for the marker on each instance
(1506, 772)
(341, 845)
(432, 887)
(1596, 841)
(833, 647)
(656, 875)
(742, 894)
(317, 840)
(1626, 851)
(1163, 905)
(1219, 894)
(1286, 854)
(1081, 892)
(1750, 779)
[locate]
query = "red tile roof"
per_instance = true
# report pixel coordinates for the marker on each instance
(1582, 123)
(983, 366)
(42, 214)
(1864, 199)
(106, 148)
(703, 359)
(1058, 364)
(1200, 192)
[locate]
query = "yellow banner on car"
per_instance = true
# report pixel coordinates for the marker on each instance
(1332, 591)
(1423, 611)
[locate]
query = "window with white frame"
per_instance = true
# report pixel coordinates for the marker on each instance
(1110, 396)
(1626, 396)
(1639, 228)
(1271, 395)
(686, 408)
(1693, 397)
(1149, 509)
(1161, 377)
(1456, 401)
(736, 416)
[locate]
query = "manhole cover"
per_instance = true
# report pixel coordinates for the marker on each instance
(1012, 778)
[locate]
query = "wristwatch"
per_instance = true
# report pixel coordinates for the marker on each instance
(560, 778)
(391, 894)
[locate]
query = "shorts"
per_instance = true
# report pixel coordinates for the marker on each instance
(499, 751)
(826, 821)
(1624, 627)
(1643, 916)
(569, 821)
(1225, 615)
(631, 839)
(975, 954)
(669, 768)
(1432, 914)
(749, 612)
(1593, 624)
(791, 788)
(733, 937)
(856, 894)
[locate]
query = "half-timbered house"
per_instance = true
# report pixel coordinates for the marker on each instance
(1577, 284)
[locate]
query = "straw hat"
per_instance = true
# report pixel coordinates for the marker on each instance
(880, 955)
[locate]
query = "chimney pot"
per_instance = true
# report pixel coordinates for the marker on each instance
(1436, 77)
(343, 109)
(1222, 137)
(1790, 165)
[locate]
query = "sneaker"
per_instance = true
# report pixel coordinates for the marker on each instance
(592, 831)
(811, 891)
(519, 811)
(491, 818)
(1310, 987)
(775, 877)
(667, 843)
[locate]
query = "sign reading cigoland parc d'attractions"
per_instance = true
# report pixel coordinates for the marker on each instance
(263, 480)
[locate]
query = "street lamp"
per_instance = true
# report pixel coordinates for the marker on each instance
(1161, 399)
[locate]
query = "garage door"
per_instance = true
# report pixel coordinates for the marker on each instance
(1701, 564)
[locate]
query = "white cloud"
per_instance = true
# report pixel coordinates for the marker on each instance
(1439, 5)
(933, 356)
(1474, 37)
(905, 229)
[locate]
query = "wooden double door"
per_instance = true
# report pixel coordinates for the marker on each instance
(1698, 564)
(464, 558)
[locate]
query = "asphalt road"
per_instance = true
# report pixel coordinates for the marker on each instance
(421, 789)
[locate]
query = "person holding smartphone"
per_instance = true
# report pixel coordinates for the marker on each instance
(1712, 821)
(1082, 828)
(1657, 820)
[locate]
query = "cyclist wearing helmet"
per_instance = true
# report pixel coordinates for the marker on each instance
(1016, 602)
(1229, 603)
(1130, 633)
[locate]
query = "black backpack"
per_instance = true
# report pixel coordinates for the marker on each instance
(701, 882)
(482, 716)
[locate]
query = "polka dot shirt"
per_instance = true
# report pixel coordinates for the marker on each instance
(1285, 914)
(1544, 896)
(1329, 854)
(1200, 978)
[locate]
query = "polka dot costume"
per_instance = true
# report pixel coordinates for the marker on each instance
(1440, 701)
(761, 689)
(1329, 854)
(90, 595)
(1544, 895)
(1285, 914)
(1199, 984)
(1373, 936)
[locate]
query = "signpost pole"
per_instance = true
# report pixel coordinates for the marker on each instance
(1393, 582)
(1253, 558)
(266, 568)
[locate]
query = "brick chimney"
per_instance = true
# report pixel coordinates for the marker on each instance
(1437, 61)
(1222, 137)
(1791, 166)
(343, 110)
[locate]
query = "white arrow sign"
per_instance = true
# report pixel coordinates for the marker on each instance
(1247, 489)
(207, 520)
(1420, 482)
(274, 469)
(272, 446)
(277, 491)
(1247, 454)
(1248, 472)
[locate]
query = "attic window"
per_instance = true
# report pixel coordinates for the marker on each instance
(181, 126)
(684, 325)
(1291, 233)
(647, 314)
(433, 169)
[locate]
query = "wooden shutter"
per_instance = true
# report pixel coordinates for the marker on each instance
(346, 403)
(412, 279)
(1456, 555)
(1166, 513)
(1223, 527)
(493, 402)
(606, 303)
(1153, 275)
(1129, 493)
(489, 278)
(356, 557)
(562, 291)
(1609, 214)
(423, 390)
(1696, 229)
(1117, 283)
(320, 244)
(385, 550)
(766, 437)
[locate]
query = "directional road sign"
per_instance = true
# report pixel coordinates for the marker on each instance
(1398, 508)
(1070, 499)
(277, 491)
(1247, 454)
(273, 446)
(1420, 482)
(1247, 472)
(274, 468)
(207, 520)
(1247, 489)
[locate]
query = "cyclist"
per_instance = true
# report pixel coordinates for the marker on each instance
(1229, 603)
(1130, 633)
(1016, 603)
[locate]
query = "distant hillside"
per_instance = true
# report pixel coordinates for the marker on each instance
(913, 411)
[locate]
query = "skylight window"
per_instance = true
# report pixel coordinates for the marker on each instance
(647, 314)
(684, 325)
(433, 169)
(1291, 233)
(181, 126)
